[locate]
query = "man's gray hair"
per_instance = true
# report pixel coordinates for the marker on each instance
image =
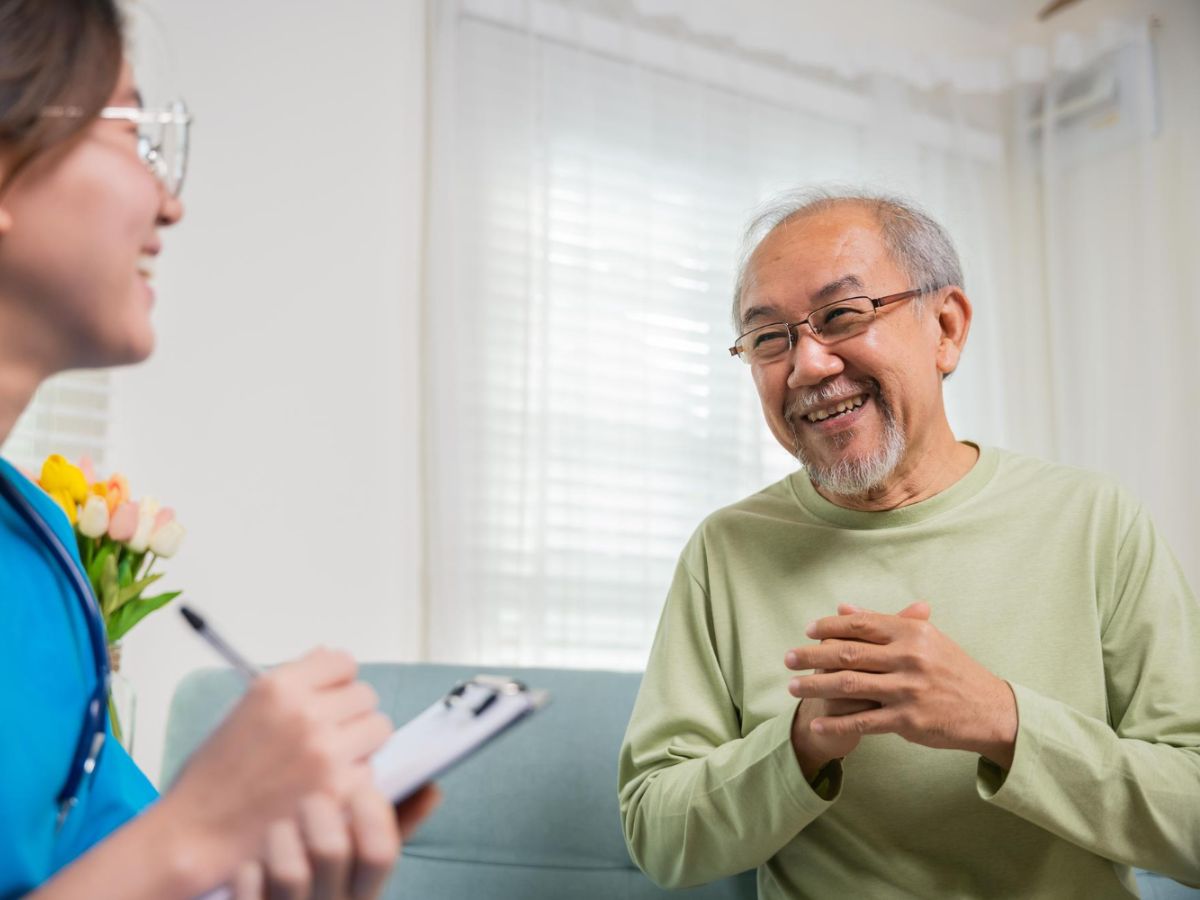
(918, 244)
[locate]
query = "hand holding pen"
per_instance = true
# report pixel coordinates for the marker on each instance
(289, 765)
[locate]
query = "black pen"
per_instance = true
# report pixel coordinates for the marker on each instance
(248, 670)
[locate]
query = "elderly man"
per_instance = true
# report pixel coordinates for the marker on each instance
(1002, 695)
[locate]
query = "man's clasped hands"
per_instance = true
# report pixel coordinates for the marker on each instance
(874, 673)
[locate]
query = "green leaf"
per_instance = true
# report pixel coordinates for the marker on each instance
(133, 612)
(133, 591)
(93, 570)
(109, 586)
(125, 570)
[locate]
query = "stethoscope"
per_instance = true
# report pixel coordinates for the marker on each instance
(95, 717)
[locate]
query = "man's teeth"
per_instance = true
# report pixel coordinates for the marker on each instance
(844, 406)
(146, 266)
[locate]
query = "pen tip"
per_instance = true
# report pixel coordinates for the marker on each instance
(192, 618)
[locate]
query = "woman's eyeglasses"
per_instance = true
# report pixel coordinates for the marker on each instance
(162, 136)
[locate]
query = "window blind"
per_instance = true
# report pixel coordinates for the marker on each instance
(69, 415)
(585, 415)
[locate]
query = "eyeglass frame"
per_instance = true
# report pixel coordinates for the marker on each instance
(793, 335)
(175, 113)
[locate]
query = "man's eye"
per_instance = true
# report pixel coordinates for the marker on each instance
(768, 338)
(840, 316)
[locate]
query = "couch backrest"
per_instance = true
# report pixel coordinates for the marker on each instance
(533, 817)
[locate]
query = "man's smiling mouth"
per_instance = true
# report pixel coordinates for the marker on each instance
(836, 409)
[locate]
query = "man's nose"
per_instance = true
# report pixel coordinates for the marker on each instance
(811, 361)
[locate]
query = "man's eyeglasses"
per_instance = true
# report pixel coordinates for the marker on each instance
(829, 324)
(162, 137)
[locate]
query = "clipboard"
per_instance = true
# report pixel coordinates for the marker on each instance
(469, 716)
(472, 713)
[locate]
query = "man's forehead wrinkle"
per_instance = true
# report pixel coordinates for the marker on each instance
(849, 254)
(833, 289)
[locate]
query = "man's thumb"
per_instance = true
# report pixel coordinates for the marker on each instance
(918, 610)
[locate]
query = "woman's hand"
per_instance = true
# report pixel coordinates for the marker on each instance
(334, 852)
(305, 728)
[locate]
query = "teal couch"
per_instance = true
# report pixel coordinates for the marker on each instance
(534, 817)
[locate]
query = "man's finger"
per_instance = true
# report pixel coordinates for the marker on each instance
(871, 627)
(847, 707)
(845, 685)
(873, 721)
(833, 655)
(849, 609)
(918, 610)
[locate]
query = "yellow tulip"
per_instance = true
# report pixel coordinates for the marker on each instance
(67, 502)
(60, 476)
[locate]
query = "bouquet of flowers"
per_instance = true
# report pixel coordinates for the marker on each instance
(119, 540)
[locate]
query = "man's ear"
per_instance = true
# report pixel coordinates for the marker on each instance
(954, 321)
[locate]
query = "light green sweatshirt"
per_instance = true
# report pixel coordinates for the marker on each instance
(1051, 577)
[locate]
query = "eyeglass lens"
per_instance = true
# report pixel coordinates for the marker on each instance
(162, 145)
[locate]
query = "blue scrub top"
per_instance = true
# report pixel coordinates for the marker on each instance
(47, 674)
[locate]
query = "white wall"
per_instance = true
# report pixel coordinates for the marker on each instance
(279, 414)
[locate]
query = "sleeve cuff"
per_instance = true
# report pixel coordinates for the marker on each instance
(1006, 788)
(809, 801)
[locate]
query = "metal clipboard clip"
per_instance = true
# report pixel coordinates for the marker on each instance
(491, 687)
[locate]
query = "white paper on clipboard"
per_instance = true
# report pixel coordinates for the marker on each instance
(464, 720)
(454, 727)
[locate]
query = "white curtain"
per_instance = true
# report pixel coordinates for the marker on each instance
(592, 168)
(1106, 227)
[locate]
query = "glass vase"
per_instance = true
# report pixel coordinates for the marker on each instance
(122, 701)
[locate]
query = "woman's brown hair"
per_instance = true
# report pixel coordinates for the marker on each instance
(64, 53)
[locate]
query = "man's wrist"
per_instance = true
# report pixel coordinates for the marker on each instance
(811, 763)
(1000, 743)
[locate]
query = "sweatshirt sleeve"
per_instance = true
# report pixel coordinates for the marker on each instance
(700, 801)
(1127, 789)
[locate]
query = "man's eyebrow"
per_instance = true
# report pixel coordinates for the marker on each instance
(833, 291)
(837, 289)
(761, 312)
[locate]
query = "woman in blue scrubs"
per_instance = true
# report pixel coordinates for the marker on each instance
(279, 800)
